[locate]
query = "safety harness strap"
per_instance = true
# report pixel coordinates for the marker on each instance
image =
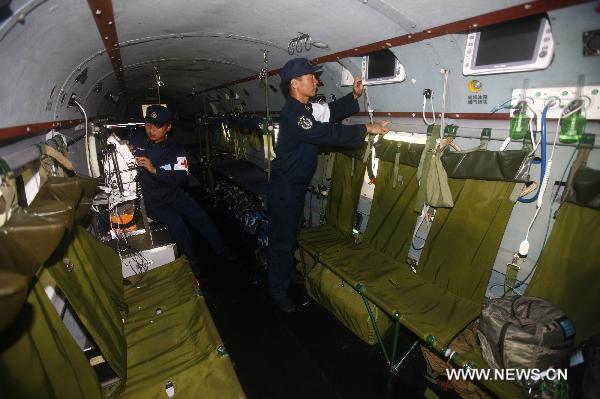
(484, 139)
(396, 176)
(420, 233)
(425, 161)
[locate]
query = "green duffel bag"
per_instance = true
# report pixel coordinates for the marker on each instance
(525, 333)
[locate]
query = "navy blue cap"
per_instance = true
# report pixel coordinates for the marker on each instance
(297, 67)
(158, 115)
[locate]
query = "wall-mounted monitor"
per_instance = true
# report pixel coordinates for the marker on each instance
(521, 45)
(382, 67)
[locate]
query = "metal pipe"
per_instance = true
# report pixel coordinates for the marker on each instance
(408, 352)
(361, 288)
(396, 336)
(448, 353)
(19, 159)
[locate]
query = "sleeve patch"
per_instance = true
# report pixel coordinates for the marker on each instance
(305, 122)
(181, 164)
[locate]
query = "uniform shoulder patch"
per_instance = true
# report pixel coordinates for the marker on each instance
(305, 122)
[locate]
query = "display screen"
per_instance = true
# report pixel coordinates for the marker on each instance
(381, 64)
(510, 42)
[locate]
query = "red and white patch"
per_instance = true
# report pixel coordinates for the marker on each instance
(181, 164)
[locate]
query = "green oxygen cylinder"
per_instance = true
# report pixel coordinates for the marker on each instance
(519, 124)
(572, 127)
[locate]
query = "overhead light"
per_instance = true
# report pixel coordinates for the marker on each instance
(321, 45)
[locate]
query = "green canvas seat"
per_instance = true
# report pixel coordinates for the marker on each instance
(391, 221)
(77, 190)
(337, 292)
(163, 288)
(13, 292)
(164, 335)
(44, 226)
(154, 333)
(447, 290)
(389, 231)
(185, 351)
(323, 286)
(347, 180)
(424, 308)
(567, 271)
(454, 268)
(341, 299)
(38, 357)
(319, 239)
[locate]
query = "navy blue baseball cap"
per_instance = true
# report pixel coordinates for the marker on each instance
(158, 115)
(297, 67)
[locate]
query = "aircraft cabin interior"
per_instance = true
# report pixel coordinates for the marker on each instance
(299, 199)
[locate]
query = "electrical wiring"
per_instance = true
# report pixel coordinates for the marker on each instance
(546, 233)
(500, 106)
(546, 169)
(432, 110)
(87, 149)
(543, 166)
(137, 262)
(442, 126)
(367, 103)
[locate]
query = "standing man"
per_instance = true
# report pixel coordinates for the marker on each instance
(163, 174)
(300, 136)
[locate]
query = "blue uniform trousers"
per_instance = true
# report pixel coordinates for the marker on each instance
(286, 205)
(175, 215)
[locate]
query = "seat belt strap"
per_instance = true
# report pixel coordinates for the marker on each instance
(484, 140)
(396, 175)
(424, 163)
(368, 149)
(419, 236)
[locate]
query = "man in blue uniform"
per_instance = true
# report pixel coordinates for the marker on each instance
(300, 136)
(163, 173)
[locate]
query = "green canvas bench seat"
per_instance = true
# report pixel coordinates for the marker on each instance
(422, 306)
(161, 288)
(439, 299)
(446, 292)
(154, 332)
(181, 346)
(388, 211)
(319, 239)
(323, 286)
(347, 179)
(567, 271)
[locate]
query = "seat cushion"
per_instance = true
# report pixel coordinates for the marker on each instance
(171, 339)
(424, 308)
(161, 289)
(178, 347)
(321, 239)
(342, 300)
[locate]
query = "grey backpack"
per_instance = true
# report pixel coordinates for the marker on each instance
(525, 333)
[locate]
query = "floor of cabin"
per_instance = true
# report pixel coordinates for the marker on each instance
(307, 354)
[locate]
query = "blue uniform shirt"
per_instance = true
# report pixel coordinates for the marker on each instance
(168, 157)
(300, 136)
